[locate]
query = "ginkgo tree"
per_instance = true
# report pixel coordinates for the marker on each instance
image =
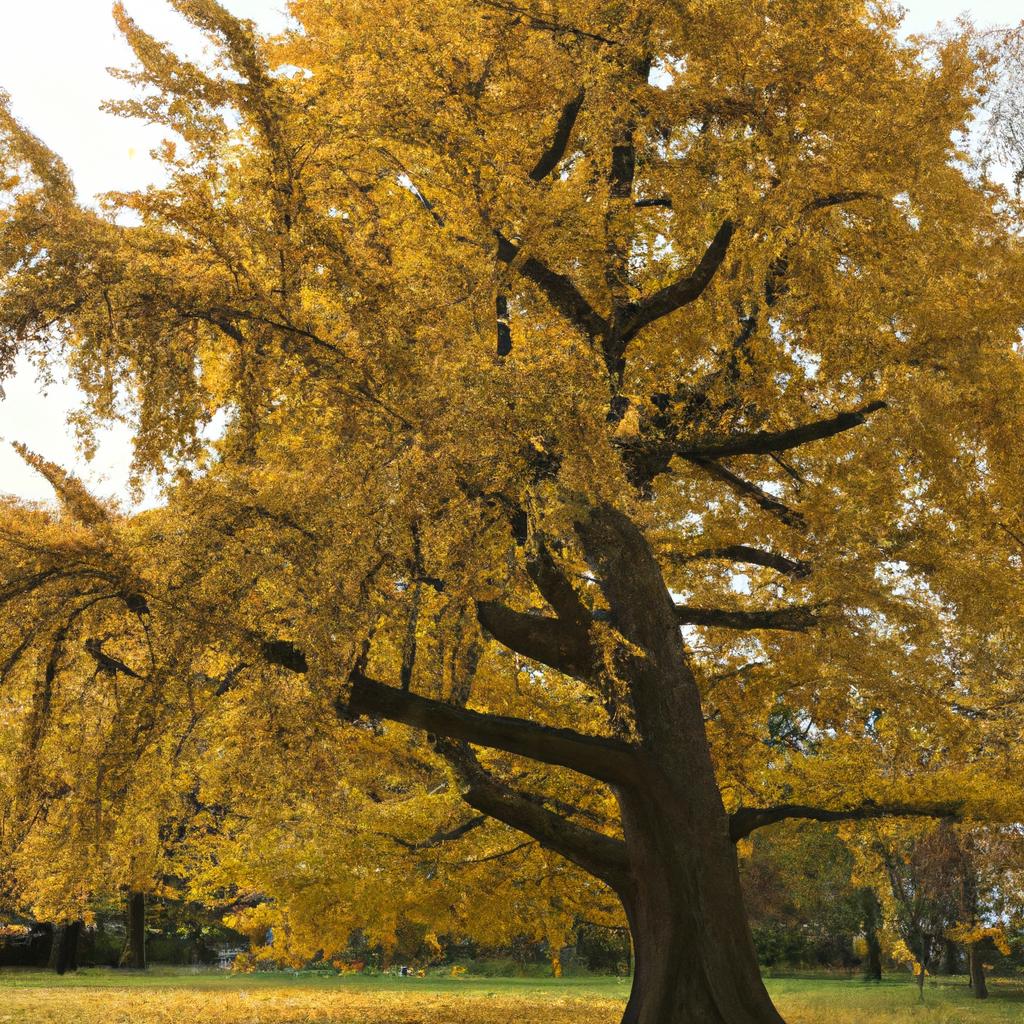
(616, 411)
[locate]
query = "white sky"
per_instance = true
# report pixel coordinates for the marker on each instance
(53, 60)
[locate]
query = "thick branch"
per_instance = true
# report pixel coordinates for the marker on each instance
(594, 756)
(538, 637)
(767, 442)
(680, 293)
(559, 289)
(602, 856)
(555, 587)
(797, 568)
(792, 620)
(747, 819)
(554, 154)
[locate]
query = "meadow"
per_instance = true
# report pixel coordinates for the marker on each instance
(102, 996)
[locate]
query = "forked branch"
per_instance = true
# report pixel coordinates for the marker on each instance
(600, 855)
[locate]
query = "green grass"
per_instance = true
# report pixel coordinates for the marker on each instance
(162, 994)
(948, 1001)
(211, 980)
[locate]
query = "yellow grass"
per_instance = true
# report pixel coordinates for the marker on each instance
(275, 1006)
(113, 998)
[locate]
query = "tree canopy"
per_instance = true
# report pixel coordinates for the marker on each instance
(605, 416)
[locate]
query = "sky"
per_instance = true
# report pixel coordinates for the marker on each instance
(53, 60)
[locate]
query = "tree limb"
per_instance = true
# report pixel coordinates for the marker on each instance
(558, 288)
(556, 27)
(679, 293)
(745, 489)
(796, 568)
(745, 820)
(837, 199)
(767, 442)
(555, 587)
(599, 855)
(791, 620)
(595, 756)
(438, 838)
(542, 638)
(555, 153)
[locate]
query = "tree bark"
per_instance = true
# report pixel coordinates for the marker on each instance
(135, 945)
(925, 956)
(694, 956)
(977, 971)
(874, 971)
(67, 947)
(694, 959)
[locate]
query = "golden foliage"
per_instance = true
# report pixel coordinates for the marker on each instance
(314, 287)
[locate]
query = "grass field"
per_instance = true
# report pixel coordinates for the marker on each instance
(165, 996)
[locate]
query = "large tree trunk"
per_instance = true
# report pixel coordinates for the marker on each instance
(135, 945)
(675, 869)
(56, 938)
(694, 956)
(67, 947)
